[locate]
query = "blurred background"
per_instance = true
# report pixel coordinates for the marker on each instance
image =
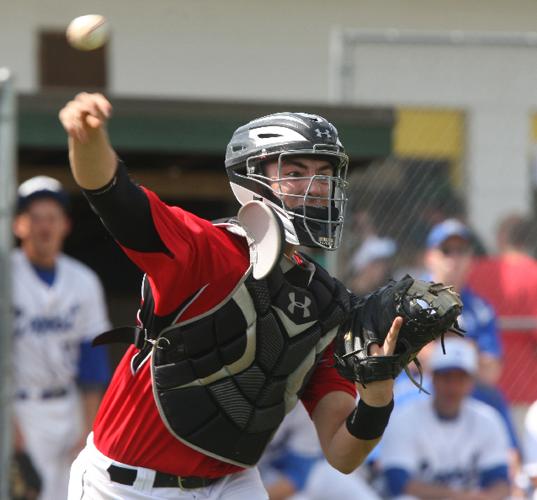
(435, 103)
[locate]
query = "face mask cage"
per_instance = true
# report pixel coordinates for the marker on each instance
(314, 205)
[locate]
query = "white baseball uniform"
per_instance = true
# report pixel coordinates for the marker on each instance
(292, 451)
(50, 323)
(449, 452)
(530, 443)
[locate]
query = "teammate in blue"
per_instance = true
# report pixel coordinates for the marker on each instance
(448, 258)
(59, 308)
(450, 445)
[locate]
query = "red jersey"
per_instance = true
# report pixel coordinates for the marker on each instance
(509, 283)
(128, 427)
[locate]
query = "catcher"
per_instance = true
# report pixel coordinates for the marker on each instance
(235, 324)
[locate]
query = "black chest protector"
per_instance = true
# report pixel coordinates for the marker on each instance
(224, 381)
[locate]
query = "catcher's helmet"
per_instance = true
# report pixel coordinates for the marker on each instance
(314, 221)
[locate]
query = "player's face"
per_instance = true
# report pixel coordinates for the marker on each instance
(42, 228)
(295, 180)
(451, 387)
(451, 262)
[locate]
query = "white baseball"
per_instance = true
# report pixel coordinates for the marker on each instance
(87, 32)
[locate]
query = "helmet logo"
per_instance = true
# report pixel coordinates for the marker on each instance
(324, 132)
(301, 305)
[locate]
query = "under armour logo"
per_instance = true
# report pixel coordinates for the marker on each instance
(325, 132)
(301, 305)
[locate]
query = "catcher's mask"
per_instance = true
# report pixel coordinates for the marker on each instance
(312, 216)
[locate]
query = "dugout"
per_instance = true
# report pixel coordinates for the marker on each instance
(177, 149)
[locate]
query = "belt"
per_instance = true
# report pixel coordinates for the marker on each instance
(59, 392)
(126, 475)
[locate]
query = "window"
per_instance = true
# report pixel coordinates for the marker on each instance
(62, 66)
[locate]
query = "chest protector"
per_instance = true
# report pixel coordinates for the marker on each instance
(224, 381)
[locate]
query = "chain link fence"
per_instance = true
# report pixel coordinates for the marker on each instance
(395, 202)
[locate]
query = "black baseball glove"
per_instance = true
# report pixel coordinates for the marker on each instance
(25, 481)
(429, 310)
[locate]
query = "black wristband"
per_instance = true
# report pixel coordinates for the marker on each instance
(368, 422)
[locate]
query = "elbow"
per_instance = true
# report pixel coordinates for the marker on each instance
(345, 466)
(346, 470)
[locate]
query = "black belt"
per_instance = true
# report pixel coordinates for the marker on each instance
(125, 475)
(44, 394)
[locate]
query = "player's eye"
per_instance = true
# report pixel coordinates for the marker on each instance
(292, 173)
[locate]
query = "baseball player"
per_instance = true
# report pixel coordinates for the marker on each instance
(448, 258)
(447, 446)
(235, 325)
(58, 309)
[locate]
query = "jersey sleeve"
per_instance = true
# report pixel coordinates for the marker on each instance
(180, 252)
(481, 321)
(325, 379)
(93, 366)
(488, 341)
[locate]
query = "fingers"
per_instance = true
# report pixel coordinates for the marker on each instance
(388, 347)
(84, 113)
(391, 338)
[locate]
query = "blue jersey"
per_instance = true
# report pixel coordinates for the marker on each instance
(478, 318)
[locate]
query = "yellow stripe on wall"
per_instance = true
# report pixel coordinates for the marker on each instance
(431, 134)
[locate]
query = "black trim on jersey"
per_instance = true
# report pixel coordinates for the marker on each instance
(124, 210)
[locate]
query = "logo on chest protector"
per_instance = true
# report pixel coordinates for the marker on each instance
(300, 305)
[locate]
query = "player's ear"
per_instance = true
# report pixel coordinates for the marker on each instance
(429, 258)
(68, 225)
(20, 226)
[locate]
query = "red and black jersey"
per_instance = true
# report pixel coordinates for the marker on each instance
(181, 254)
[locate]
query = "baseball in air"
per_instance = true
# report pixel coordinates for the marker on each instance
(88, 32)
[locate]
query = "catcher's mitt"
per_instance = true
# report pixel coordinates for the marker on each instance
(428, 310)
(25, 481)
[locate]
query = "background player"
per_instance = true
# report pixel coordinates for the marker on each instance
(58, 309)
(447, 446)
(448, 258)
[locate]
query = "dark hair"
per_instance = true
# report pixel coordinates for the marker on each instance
(522, 233)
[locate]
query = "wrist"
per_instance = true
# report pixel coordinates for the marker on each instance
(368, 422)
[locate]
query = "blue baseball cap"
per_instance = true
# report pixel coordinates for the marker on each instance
(447, 229)
(39, 187)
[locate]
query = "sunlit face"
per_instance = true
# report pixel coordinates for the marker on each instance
(42, 228)
(451, 387)
(450, 262)
(294, 180)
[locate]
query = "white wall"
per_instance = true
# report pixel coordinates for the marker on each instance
(280, 50)
(236, 48)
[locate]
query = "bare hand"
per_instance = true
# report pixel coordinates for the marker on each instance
(380, 393)
(84, 114)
